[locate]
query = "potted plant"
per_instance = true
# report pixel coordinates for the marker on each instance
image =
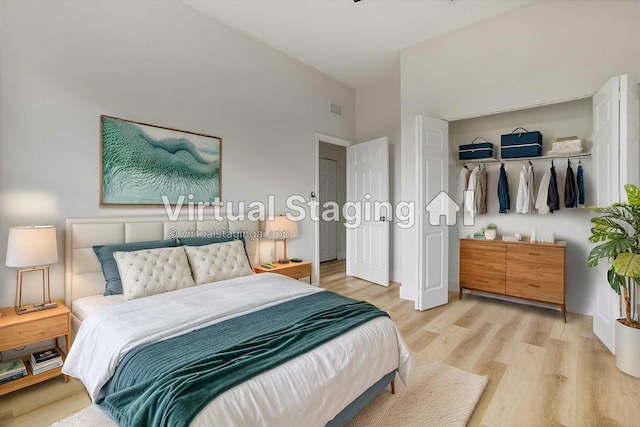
(491, 232)
(617, 230)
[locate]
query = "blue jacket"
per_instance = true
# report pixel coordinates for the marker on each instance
(503, 191)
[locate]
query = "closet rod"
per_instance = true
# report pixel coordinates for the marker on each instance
(523, 159)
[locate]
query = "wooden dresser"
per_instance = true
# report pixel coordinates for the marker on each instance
(531, 271)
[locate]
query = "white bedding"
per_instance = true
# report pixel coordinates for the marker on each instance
(314, 387)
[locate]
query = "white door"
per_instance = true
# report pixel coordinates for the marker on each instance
(432, 173)
(368, 232)
(615, 145)
(327, 193)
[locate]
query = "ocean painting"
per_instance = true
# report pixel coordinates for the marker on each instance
(142, 163)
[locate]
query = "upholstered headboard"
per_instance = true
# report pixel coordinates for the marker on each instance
(83, 274)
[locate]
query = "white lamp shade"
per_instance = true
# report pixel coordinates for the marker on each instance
(32, 246)
(281, 228)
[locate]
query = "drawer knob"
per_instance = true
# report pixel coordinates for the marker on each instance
(534, 286)
(534, 254)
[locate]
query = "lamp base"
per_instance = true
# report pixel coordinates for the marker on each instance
(29, 308)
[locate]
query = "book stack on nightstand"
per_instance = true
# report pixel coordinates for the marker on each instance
(45, 361)
(12, 370)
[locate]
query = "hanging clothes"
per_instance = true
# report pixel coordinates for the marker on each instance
(481, 190)
(543, 191)
(570, 199)
(463, 183)
(470, 196)
(532, 189)
(503, 192)
(553, 198)
(580, 185)
(522, 199)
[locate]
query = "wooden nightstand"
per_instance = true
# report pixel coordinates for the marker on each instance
(20, 330)
(295, 270)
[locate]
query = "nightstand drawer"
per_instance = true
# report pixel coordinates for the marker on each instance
(32, 331)
(297, 272)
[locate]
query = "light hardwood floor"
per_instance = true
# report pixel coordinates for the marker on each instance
(542, 371)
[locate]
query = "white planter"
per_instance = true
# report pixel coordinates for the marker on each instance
(490, 233)
(628, 349)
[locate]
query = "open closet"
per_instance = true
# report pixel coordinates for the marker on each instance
(607, 125)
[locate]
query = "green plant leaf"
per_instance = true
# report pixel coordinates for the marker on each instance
(633, 194)
(616, 281)
(627, 264)
(610, 250)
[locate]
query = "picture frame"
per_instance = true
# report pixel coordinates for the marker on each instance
(150, 165)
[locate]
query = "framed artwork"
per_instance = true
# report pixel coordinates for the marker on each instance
(144, 164)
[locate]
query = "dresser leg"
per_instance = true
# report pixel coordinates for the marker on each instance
(563, 307)
(460, 295)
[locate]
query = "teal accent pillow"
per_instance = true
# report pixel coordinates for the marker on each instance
(227, 237)
(113, 285)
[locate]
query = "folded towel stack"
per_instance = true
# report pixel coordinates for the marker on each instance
(566, 145)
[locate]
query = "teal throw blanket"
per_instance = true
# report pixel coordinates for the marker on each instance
(168, 383)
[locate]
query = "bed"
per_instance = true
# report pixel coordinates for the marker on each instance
(323, 382)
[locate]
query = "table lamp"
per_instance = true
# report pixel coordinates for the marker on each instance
(281, 228)
(30, 249)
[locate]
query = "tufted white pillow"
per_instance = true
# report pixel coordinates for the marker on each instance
(218, 261)
(153, 271)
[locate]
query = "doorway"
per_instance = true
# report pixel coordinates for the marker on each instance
(333, 149)
(332, 189)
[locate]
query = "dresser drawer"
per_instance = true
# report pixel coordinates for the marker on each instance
(540, 282)
(37, 330)
(538, 254)
(483, 282)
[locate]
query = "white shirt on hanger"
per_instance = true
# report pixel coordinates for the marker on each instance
(470, 199)
(522, 199)
(543, 192)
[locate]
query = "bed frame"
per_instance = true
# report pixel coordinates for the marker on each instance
(83, 273)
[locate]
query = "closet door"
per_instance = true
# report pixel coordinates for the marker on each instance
(432, 173)
(616, 126)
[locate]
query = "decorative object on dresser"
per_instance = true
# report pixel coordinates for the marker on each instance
(531, 271)
(617, 229)
(31, 328)
(295, 270)
(491, 232)
(34, 247)
(281, 228)
(145, 164)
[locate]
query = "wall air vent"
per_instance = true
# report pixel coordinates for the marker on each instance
(336, 109)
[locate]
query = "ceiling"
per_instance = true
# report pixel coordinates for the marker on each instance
(357, 43)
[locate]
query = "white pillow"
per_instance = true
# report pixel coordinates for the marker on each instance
(153, 271)
(218, 261)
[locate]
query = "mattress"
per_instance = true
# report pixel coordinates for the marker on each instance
(82, 307)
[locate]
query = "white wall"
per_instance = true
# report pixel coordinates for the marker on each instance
(339, 155)
(64, 63)
(378, 115)
(571, 225)
(540, 53)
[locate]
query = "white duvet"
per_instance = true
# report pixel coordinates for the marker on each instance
(313, 387)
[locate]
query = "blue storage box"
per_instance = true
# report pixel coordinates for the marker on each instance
(521, 144)
(480, 150)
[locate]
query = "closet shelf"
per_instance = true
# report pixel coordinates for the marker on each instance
(524, 159)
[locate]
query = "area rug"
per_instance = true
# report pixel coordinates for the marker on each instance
(438, 395)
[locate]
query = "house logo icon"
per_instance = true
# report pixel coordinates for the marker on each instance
(442, 205)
